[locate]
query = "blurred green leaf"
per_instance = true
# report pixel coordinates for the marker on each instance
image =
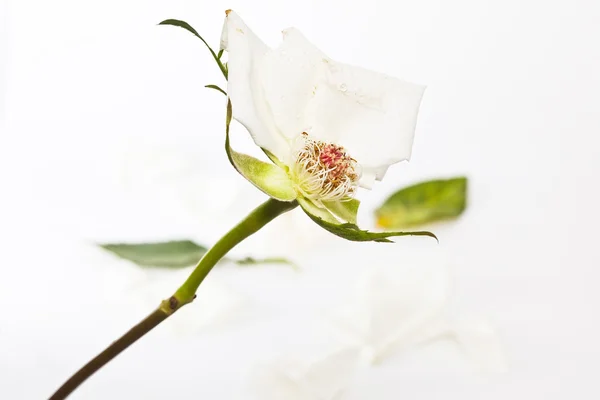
(188, 27)
(172, 254)
(422, 203)
(175, 254)
(269, 260)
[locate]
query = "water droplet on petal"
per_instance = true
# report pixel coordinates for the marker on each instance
(343, 87)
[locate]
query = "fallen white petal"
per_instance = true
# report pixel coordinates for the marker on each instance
(394, 307)
(401, 307)
(296, 379)
(215, 304)
(481, 344)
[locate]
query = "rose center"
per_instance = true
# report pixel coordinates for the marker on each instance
(324, 171)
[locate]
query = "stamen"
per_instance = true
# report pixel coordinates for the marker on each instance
(324, 171)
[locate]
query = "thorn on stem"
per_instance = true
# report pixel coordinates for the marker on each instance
(173, 303)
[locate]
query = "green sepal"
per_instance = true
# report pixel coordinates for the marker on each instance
(275, 160)
(344, 210)
(176, 254)
(271, 179)
(423, 203)
(353, 233)
(311, 208)
(188, 27)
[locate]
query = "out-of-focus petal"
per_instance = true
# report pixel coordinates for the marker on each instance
(321, 379)
(395, 307)
(480, 342)
(219, 305)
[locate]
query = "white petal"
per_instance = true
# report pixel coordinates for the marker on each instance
(271, 383)
(296, 88)
(481, 343)
(370, 175)
(380, 172)
(372, 115)
(395, 307)
(330, 375)
(367, 178)
(292, 72)
(246, 53)
(322, 379)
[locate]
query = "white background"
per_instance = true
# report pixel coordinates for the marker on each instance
(108, 134)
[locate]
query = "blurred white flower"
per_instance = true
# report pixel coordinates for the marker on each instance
(399, 307)
(324, 378)
(333, 126)
(162, 167)
(215, 305)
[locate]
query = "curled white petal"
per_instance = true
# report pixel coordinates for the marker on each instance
(372, 115)
(291, 73)
(246, 53)
(296, 88)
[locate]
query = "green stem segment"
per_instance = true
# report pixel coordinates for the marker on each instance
(258, 218)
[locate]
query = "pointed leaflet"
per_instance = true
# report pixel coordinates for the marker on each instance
(175, 254)
(269, 178)
(424, 202)
(188, 27)
(217, 88)
(354, 233)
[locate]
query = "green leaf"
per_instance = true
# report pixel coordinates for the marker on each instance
(270, 260)
(215, 87)
(423, 203)
(271, 179)
(188, 27)
(172, 254)
(345, 210)
(353, 233)
(176, 254)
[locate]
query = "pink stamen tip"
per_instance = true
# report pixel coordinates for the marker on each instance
(325, 170)
(331, 155)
